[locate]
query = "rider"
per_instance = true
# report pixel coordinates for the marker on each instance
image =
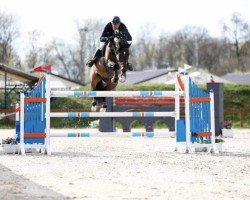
(107, 35)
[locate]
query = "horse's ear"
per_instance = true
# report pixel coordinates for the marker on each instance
(128, 44)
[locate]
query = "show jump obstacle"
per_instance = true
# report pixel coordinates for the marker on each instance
(196, 130)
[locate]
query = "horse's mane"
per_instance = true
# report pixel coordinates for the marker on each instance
(122, 37)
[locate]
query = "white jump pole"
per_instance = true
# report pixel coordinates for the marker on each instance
(89, 134)
(177, 104)
(212, 121)
(47, 114)
(112, 114)
(115, 93)
(187, 115)
(22, 123)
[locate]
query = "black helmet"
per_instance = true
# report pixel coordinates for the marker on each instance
(116, 20)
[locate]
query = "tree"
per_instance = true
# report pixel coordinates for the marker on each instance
(38, 53)
(62, 56)
(32, 56)
(163, 54)
(9, 33)
(69, 59)
(237, 32)
(142, 53)
(72, 58)
(86, 43)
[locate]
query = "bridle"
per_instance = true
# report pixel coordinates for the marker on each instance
(119, 44)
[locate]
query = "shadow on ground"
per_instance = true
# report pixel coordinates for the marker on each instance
(15, 187)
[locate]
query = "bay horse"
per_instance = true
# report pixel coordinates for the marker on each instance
(107, 70)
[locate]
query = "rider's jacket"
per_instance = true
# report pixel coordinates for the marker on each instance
(109, 32)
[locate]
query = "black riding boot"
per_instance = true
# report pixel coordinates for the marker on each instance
(130, 67)
(97, 55)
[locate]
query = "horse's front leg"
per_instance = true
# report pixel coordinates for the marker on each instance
(115, 77)
(94, 105)
(104, 105)
(122, 79)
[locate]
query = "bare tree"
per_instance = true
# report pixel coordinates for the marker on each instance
(33, 50)
(245, 53)
(93, 30)
(72, 58)
(47, 55)
(237, 31)
(9, 33)
(62, 56)
(162, 59)
(142, 53)
(87, 43)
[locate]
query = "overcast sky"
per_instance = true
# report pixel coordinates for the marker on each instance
(55, 18)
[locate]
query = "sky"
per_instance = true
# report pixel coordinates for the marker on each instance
(55, 18)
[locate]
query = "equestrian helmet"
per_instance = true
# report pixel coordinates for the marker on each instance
(116, 20)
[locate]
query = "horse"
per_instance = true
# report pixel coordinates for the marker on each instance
(110, 68)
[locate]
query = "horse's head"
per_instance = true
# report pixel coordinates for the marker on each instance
(120, 49)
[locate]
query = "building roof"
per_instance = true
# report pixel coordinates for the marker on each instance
(201, 77)
(165, 76)
(16, 74)
(61, 77)
(240, 78)
(136, 77)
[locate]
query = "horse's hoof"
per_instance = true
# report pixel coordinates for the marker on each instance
(114, 80)
(93, 108)
(122, 79)
(103, 109)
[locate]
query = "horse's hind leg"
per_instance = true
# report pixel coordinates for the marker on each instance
(95, 79)
(101, 100)
(98, 102)
(94, 104)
